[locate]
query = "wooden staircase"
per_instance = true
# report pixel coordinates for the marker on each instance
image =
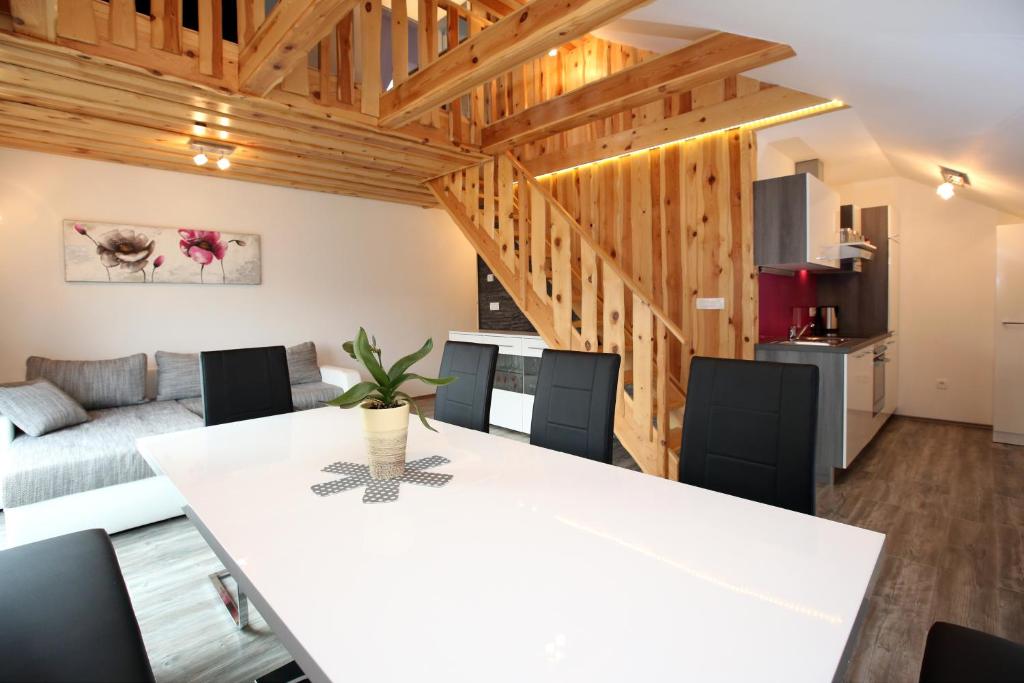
(576, 295)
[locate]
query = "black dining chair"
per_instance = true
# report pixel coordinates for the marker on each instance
(466, 402)
(956, 653)
(243, 384)
(574, 407)
(749, 430)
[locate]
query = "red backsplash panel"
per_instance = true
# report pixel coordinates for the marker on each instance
(778, 295)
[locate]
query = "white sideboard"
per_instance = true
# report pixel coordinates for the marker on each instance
(515, 378)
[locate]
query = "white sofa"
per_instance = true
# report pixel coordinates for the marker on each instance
(123, 493)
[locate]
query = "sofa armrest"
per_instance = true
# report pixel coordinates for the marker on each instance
(346, 378)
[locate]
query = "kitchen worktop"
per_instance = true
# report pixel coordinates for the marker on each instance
(849, 346)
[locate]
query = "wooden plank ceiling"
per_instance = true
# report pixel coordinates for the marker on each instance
(300, 94)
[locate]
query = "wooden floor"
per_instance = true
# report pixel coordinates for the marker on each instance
(951, 502)
(952, 506)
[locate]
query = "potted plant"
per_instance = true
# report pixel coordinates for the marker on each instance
(384, 406)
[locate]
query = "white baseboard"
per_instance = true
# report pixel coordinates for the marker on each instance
(114, 508)
(1008, 437)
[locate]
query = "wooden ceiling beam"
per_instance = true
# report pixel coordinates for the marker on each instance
(517, 38)
(45, 89)
(284, 40)
(29, 116)
(241, 169)
(294, 113)
(498, 8)
(718, 56)
(768, 102)
(36, 18)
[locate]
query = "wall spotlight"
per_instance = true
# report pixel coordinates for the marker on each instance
(553, 52)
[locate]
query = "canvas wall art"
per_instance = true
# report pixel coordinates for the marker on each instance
(109, 252)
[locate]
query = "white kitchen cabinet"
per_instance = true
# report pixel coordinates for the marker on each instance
(515, 378)
(892, 375)
(859, 402)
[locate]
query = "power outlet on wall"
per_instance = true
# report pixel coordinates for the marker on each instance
(942, 384)
(494, 305)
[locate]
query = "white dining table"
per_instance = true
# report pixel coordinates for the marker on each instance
(529, 565)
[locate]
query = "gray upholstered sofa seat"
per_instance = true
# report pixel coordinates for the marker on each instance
(304, 397)
(94, 454)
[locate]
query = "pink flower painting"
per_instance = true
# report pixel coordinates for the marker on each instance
(111, 252)
(203, 246)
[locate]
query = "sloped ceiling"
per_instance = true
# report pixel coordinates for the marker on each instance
(933, 82)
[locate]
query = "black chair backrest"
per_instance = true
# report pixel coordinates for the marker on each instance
(958, 653)
(466, 402)
(574, 408)
(243, 384)
(749, 430)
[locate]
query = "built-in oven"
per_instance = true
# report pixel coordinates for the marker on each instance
(879, 381)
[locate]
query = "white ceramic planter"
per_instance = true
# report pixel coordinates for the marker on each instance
(387, 431)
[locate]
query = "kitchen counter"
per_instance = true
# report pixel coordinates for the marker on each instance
(849, 346)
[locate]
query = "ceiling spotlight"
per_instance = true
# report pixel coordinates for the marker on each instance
(199, 128)
(950, 181)
(208, 148)
(553, 52)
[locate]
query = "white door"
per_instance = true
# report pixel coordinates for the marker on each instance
(1008, 401)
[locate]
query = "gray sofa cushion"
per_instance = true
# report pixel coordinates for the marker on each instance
(95, 383)
(88, 456)
(37, 407)
(302, 365)
(177, 375)
(304, 397)
(313, 395)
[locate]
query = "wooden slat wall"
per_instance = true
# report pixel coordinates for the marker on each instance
(683, 212)
(577, 63)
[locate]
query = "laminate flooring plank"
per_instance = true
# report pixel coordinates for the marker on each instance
(1010, 611)
(1010, 557)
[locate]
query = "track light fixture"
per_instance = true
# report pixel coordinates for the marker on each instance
(207, 148)
(950, 181)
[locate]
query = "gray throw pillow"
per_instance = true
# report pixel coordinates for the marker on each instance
(177, 376)
(302, 364)
(38, 407)
(95, 383)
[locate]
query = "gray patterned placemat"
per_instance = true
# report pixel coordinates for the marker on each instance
(378, 491)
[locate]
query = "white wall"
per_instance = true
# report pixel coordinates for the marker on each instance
(946, 296)
(771, 163)
(330, 264)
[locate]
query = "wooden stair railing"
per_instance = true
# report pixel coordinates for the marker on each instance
(575, 294)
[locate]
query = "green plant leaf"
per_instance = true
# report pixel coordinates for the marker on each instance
(437, 382)
(416, 408)
(364, 352)
(349, 349)
(403, 364)
(355, 395)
